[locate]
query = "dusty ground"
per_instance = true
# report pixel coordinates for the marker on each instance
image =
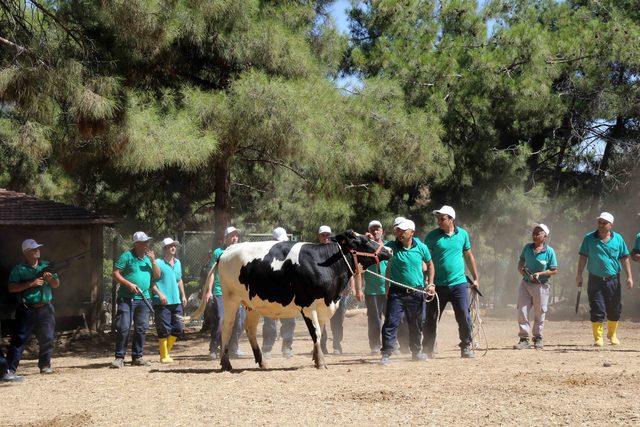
(567, 383)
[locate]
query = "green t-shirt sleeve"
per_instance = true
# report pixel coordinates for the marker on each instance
(624, 250)
(636, 246)
(426, 255)
(467, 242)
(553, 261)
(178, 270)
(14, 275)
(584, 247)
(122, 262)
(216, 256)
(522, 253)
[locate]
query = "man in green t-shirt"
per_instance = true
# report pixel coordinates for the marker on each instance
(135, 271)
(450, 247)
(375, 292)
(405, 268)
(35, 314)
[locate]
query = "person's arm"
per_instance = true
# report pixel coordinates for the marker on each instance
(183, 297)
(582, 263)
(156, 290)
(521, 266)
(17, 287)
(154, 265)
(52, 279)
(471, 264)
(209, 283)
(431, 275)
(117, 274)
(627, 269)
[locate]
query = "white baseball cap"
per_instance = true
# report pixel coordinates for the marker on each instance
(446, 210)
(542, 227)
(397, 221)
(140, 236)
(280, 234)
(30, 244)
(375, 223)
(606, 216)
(230, 230)
(407, 224)
(324, 229)
(169, 241)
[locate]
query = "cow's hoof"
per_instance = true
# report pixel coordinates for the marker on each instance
(321, 366)
(262, 365)
(226, 365)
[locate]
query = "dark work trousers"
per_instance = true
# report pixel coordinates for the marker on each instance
(409, 303)
(136, 311)
(217, 316)
(40, 321)
(269, 333)
(605, 298)
(167, 320)
(458, 295)
(4, 365)
(337, 328)
(376, 305)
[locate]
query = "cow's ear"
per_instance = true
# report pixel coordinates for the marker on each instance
(341, 239)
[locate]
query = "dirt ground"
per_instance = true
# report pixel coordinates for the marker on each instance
(569, 382)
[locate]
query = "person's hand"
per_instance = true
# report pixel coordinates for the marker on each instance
(359, 295)
(629, 283)
(135, 289)
(207, 296)
(579, 281)
(184, 301)
(476, 284)
(48, 277)
(536, 277)
(37, 282)
(151, 255)
(431, 289)
(163, 299)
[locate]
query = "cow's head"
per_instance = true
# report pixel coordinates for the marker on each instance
(367, 250)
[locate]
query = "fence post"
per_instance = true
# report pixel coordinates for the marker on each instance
(114, 284)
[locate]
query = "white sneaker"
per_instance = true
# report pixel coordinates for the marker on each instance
(214, 355)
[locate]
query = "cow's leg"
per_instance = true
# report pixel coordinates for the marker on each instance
(251, 327)
(230, 309)
(311, 319)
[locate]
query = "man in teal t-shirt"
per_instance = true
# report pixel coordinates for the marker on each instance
(213, 295)
(167, 315)
(604, 252)
(537, 264)
(375, 292)
(35, 314)
(405, 268)
(635, 252)
(450, 247)
(134, 271)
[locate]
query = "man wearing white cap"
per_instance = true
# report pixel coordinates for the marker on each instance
(167, 313)
(406, 268)
(216, 307)
(450, 247)
(35, 313)
(537, 264)
(375, 292)
(135, 271)
(604, 252)
(287, 325)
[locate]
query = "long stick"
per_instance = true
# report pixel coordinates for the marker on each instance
(578, 298)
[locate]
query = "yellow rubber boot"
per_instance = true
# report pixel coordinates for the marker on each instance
(164, 353)
(598, 329)
(612, 328)
(170, 342)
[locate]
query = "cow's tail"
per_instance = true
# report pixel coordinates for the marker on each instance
(203, 303)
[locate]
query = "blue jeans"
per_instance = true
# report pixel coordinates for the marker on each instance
(217, 316)
(605, 298)
(458, 295)
(375, 309)
(136, 311)
(410, 304)
(337, 329)
(167, 320)
(30, 320)
(269, 333)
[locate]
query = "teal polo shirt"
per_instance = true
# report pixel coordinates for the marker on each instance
(217, 289)
(447, 252)
(636, 246)
(168, 281)
(138, 271)
(25, 273)
(603, 259)
(374, 285)
(406, 265)
(537, 262)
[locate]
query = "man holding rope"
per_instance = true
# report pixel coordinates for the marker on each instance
(451, 249)
(407, 288)
(375, 292)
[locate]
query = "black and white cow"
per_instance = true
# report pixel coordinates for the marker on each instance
(287, 279)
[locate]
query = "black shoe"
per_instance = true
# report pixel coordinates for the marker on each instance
(523, 344)
(467, 353)
(537, 343)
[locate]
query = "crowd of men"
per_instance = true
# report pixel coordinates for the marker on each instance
(401, 291)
